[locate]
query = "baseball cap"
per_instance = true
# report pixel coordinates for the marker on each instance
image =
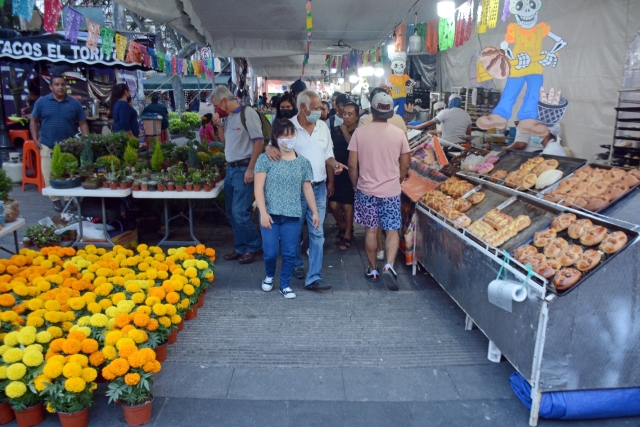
(298, 86)
(382, 105)
(439, 105)
(342, 99)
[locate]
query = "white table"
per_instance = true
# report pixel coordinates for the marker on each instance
(78, 193)
(12, 227)
(190, 196)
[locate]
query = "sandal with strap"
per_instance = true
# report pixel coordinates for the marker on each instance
(345, 244)
(340, 235)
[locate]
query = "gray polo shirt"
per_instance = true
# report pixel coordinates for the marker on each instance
(455, 122)
(238, 142)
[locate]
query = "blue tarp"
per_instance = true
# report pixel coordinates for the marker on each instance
(580, 405)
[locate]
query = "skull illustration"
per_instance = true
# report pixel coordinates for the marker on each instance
(526, 12)
(398, 63)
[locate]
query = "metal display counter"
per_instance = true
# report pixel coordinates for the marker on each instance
(586, 339)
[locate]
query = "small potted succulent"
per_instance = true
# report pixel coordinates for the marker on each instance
(196, 180)
(171, 185)
(144, 184)
(181, 180)
(112, 178)
(136, 185)
(161, 185)
(26, 242)
(153, 185)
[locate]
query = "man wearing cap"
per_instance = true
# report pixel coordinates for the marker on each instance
(297, 87)
(313, 142)
(379, 158)
(395, 120)
(155, 108)
(456, 123)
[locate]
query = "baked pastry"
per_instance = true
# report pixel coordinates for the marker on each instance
(481, 228)
(613, 242)
(522, 222)
(530, 164)
(514, 179)
(581, 188)
(534, 260)
(461, 205)
(548, 269)
(616, 190)
(529, 180)
(631, 180)
(614, 175)
(476, 197)
(523, 251)
(566, 185)
(541, 238)
(589, 259)
(497, 175)
(581, 201)
(570, 255)
(483, 168)
(634, 172)
(582, 173)
(555, 247)
(578, 227)
(562, 221)
(553, 196)
(568, 200)
(498, 219)
(566, 278)
(596, 175)
(597, 189)
(597, 203)
(548, 178)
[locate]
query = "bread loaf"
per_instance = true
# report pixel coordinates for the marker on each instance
(613, 242)
(566, 278)
(562, 221)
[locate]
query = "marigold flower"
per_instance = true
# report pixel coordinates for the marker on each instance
(77, 334)
(80, 359)
(41, 382)
(15, 389)
(76, 303)
(172, 297)
(124, 341)
(109, 352)
(144, 310)
(27, 335)
(112, 337)
(96, 359)
(98, 320)
(159, 309)
(127, 350)
(11, 339)
(71, 346)
(105, 304)
(12, 355)
(35, 321)
(7, 300)
(138, 336)
(175, 319)
(188, 290)
(119, 366)
(89, 346)
(72, 370)
(132, 379)
(56, 345)
(53, 316)
(43, 337)
(165, 321)
(16, 371)
(89, 374)
(140, 319)
(152, 325)
(75, 384)
(117, 297)
(3, 372)
(122, 320)
(32, 358)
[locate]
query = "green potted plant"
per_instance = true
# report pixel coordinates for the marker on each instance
(11, 207)
(196, 179)
(112, 177)
(219, 161)
(153, 185)
(130, 156)
(64, 166)
(105, 162)
(136, 185)
(181, 180)
(90, 180)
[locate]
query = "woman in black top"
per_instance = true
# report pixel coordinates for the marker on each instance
(125, 117)
(341, 203)
(286, 108)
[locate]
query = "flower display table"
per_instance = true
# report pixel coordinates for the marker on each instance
(12, 227)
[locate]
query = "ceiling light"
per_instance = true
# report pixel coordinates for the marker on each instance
(340, 80)
(378, 71)
(365, 71)
(334, 70)
(353, 78)
(446, 8)
(391, 49)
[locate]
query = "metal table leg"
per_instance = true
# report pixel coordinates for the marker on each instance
(104, 223)
(165, 240)
(15, 240)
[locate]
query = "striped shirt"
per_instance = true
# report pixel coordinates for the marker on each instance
(59, 120)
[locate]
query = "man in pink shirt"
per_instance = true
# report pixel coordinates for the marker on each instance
(379, 157)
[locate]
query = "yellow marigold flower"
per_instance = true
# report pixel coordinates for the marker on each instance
(35, 321)
(55, 331)
(132, 286)
(191, 272)
(89, 346)
(91, 249)
(89, 374)
(35, 304)
(159, 309)
(165, 321)
(97, 358)
(41, 382)
(170, 309)
(32, 347)
(50, 409)
(132, 379)
(117, 297)
(3, 348)
(16, 371)
(21, 289)
(71, 346)
(109, 352)
(143, 266)
(32, 358)
(124, 341)
(53, 316)
(10, 316)
(175, 319)
(94, 307)
(188, 290)
(11, 339)
(43, 337)
(105, 304)
(53, 368)
(152, 273)
(195, 282)
(12, 355)
(27, 335)
(112, 337)
(111, 324)
(142, 247)
(3, 372)
(15, 389)
(72, 370)
(99, 320)
(126, 306)
(144, 309)
(80, 359)
(52, 305)
(172, 297)
(138, 336)
(202, 265)
(76, 303)
(150, 301)
(75, 385)
(103, 288)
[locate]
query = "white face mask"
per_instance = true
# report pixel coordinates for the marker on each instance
(285, 144)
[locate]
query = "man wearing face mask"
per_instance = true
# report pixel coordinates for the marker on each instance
(313, 142)
(243, 145)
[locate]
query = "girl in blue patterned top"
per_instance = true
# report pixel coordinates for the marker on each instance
(277, 191)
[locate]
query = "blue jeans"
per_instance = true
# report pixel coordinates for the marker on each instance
(316, 237)
(284, 235)
(529, 108)
(238, 198)
(401, 103)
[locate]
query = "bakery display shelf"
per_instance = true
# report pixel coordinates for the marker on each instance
(511, 160)
(628, 120)
(628, 109)
(629, 138)
(637, 129)
(631, 236)
(607, 206)
(621, 149)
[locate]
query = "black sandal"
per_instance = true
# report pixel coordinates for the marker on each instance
(345, 244)
(339, 236)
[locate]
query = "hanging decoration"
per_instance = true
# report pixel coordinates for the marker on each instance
(492, 13)
(161, 63)
(121, 46)
(52, 10)
(93, 33)
(401, 37)
(421, 30)
(327, 61)
(154, 58)
(72, 20)
(447, 32)
(189, 67)
(107, 34)
(305, 61)
(481, 20)
(25, 9)
(464, 14)
(505, 11)
(185, 67)
(134, 53)
(174, 65)
(432, 37)
(468, 28)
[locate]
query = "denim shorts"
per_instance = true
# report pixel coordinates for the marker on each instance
(374, 212)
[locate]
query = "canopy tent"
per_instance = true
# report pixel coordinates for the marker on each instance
(286, 67)
(161, 81)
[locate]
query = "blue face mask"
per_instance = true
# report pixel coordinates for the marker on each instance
(536, 139)
(314, 116)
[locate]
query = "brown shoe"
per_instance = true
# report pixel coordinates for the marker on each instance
(492, 121)
(249, 257)
(232, 256)
(533, 127)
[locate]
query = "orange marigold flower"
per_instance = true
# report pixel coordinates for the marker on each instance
(122, 320)
(127, 329)
(56, 345)
(108, 374)
(71, 346)
(172, 297)
(96, 359)
(77, 335)
(7, 300)
(200, 248)
(89, 346)
(119, 366)
(191, 250)
(127, 350)
(132, 379)
(140, 319)
(152, 325)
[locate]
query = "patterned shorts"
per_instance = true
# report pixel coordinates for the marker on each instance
(374, 212)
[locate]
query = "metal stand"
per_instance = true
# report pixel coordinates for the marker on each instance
(165, 240)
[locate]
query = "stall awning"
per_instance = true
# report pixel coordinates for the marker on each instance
(163, 82)
(55, 48)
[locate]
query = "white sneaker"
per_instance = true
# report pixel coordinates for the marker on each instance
(380, 256)
(288, 293)
(267, 284)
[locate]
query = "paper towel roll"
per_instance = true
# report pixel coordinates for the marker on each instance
(503, 292)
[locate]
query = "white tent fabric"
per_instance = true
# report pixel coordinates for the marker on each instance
(589, 71)
(286, 67)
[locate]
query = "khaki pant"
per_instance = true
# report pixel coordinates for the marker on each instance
(45, 166)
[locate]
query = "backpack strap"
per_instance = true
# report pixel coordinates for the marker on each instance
(243, 118)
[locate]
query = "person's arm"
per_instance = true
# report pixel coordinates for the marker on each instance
(517, 146)
(469, 130)
(423, 125)
(82, 119)
(307, 190)
(34, 127)
(405, 161)
(84, 127)
(353, 168)
(345, 133)
(331, 178)
(258, 191)
(257, 150)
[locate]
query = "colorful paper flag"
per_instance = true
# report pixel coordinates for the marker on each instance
(506, 13)
(154, 58)
(432, 37)
(447, 33)
(72, 21)
(107, 34)
(174, 65)
(25, 9)
(160, 62)
(93, 32)
(185, 67)
(121, 46)
(52, 10)
(134, 53)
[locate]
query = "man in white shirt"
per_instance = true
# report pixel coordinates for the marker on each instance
(313, 142)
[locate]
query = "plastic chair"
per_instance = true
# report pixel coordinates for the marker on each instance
(31, 163)
(22, 134)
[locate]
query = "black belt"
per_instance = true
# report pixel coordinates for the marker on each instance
(240, 163)
(315, 184)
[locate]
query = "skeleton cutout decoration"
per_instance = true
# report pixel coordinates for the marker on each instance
(398, 81)
(527, 61)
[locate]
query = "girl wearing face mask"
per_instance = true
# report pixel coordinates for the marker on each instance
(286, 108)
(125, 117)
(277, 192)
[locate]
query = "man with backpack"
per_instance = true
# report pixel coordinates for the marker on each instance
(243, 140)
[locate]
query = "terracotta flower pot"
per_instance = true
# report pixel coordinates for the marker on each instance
(197, 187)
(173, 336)
(208, 187)
(32, 416)
(171, 187)
(27, 244)
(113, 185)
(144, 187)
(200, 301)
(105, 184)
(139, 414)
(6, 413)
(161, 352)
(74, 419)
(188, 187)
(161, 187)
(181, 326)
(136, 187)
(179, 187)
(124, 185)
(192, 313)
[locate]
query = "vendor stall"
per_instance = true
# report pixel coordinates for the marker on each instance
(566, 324)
